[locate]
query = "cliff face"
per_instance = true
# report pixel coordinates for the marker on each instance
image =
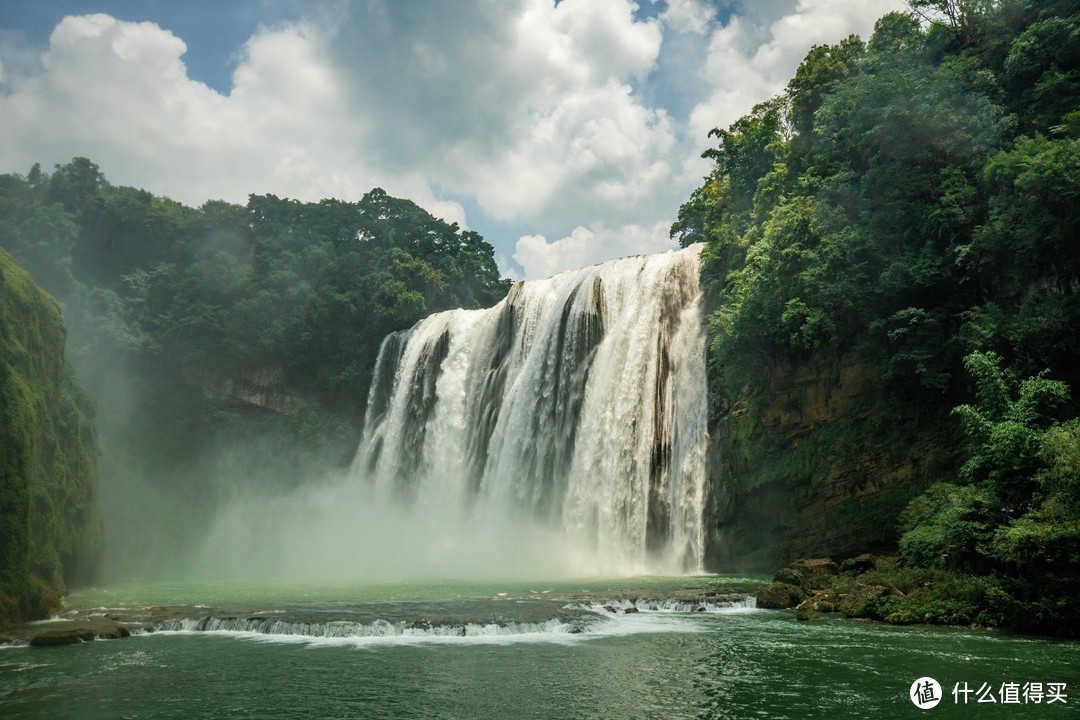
(261, 387)
(816, 462)
(50, 521)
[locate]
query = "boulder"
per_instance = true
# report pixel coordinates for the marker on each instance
(114, 632)
(779, 595)
(67, 636)
(859, 564)
(854, 604)
(816, 573)
(807, 574)
(789, 576)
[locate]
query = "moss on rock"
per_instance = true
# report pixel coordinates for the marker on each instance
(50, 520)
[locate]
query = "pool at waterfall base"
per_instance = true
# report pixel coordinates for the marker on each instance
(681, 647)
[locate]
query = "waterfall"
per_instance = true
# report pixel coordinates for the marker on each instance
(576, 407)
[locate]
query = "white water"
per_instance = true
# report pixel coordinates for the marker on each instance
(249, 627)
(572, 414)
(386, 633)
(561, 433)
(609, 620)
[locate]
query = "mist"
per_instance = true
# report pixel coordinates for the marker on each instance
(339, 528)
(211, 491)
(560, 433)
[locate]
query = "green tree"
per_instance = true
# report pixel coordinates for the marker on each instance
(906, 202)
(41, 236)
(1014, 482)
(1005, 429)
(1042, 72)
(1023, 259)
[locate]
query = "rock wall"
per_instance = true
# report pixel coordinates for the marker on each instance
(263, 387)
(816, 462)
(50, 520)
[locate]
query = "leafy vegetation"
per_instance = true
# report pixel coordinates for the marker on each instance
(929, 595)
(1016, 516)
(50, 524)
(186, 324)
(907, 206)
(889, 203)
(222, 288)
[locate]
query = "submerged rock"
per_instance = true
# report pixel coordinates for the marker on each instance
(69, 632)
(113, 633)
(66, 636)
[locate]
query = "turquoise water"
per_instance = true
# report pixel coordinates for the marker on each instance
(509, 651)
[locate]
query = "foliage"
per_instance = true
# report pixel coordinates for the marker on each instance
(1018, 515)
(887, 204)
(946, 525)
(908, 204)
(945, 598)
(1005, 433)
(930, 595)
(50, 533)
(213, 291)
(171, 308)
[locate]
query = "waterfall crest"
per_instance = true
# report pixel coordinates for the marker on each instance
(576, 407)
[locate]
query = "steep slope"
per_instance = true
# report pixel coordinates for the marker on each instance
(906, 205)
(50, 524)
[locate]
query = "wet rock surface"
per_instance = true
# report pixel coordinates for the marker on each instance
(778, 595)
(807, 586)
(575, 612)
(52, 633)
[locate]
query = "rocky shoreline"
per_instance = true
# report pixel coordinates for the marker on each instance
(84, 625)
(50, 633)
(814, 586)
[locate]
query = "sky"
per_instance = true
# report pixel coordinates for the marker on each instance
(566, 133)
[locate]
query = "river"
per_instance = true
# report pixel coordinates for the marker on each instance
(693, 649)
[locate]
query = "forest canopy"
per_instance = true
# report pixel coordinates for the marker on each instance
(911, 197)
(229, 348)
(909, 204)
(312, 287)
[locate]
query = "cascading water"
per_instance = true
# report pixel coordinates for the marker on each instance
(575, 407)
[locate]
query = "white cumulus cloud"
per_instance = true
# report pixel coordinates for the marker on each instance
(692, 16)
(584, 246)
(119, 93)
(752, 57)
